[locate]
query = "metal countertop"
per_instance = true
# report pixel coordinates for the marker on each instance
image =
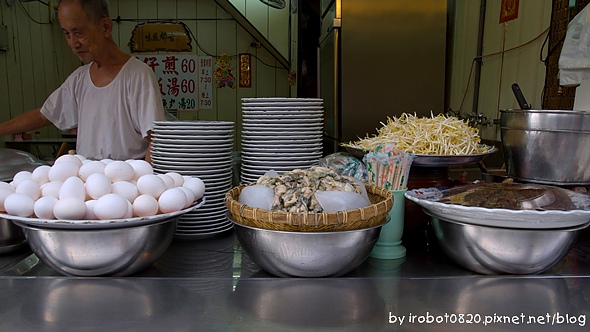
(211, 285)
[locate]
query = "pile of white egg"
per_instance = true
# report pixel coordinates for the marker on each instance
(76, 188)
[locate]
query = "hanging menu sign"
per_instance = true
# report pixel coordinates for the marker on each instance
(205, 82)
(179, 77)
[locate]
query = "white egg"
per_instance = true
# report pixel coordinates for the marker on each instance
(118, 170)
(129, 213)
(70, 158)
(44, 207)
(5, 185)
(63, 170)
(41, 174)
(172, 200)
(69, 208)
(190, 196)
(5, 192)
(91, 167)
(29, 187)
(140, 167)
(196, 185)
(151, 184)
(22, 175)
(98, 185)
(73, 187)
(168, 180)
(178, 179)
(125, 189)
(51, 189)
(90, 210)
(111, 206)
(145, 205)
(81, 157)
(21, 205)
(107, 160)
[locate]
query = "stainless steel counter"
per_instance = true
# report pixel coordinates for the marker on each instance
(211, 285)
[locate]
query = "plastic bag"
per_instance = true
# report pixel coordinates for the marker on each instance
(574, 60)
(334, 201)
(345, 164)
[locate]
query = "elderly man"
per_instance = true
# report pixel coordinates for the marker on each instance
(112, 100)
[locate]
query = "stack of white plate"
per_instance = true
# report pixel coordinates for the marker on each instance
(200, 149)
(280, 134)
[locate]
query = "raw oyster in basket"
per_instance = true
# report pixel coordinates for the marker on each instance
(294, 191)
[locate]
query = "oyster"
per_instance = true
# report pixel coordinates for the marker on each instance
(512, 196)
(294, 190)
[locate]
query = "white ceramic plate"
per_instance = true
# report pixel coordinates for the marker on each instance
(428, 198)
(280, 100)
(196, 123)
(274, 112)
(172, 148)
(284, 121)
(311, 150)
(276, 158)
(263, 138)
(278, 168)
(293, 127)
(206, 165)
(282, 134)
(101, 224)
(193, 132)
(285, 163)
(203, 174)
(194, 142)
(283, 103)
(281, 155)
(184, 138)
(270, 142)
(193, 158)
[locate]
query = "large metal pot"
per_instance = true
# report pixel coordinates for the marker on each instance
(547, 146)
(12, 162)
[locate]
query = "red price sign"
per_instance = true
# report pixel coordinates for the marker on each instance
(178, 77)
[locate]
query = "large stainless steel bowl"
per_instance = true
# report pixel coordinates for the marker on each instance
(496, 250)
(547, 146)
(11, 237)
(100, 252)
(307, 254)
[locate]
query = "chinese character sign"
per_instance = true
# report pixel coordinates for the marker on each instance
(178, 77)
(160, 36)
(205, 82)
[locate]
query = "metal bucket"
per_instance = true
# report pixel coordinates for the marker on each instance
(547, 146)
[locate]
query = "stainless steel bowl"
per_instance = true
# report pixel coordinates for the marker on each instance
(547, 146)
(495, 250)
(100, 252)
(307, 254)
(11, 237)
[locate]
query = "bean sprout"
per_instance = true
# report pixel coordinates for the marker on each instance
(434, 135)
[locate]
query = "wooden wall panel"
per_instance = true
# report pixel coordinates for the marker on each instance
(278, 29)
(126, 9)
(4, 60)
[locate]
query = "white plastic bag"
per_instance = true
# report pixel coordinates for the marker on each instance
(574, 60)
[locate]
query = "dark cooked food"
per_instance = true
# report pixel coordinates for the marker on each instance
(513, 196)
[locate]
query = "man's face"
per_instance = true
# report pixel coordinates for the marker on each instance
(84, 36)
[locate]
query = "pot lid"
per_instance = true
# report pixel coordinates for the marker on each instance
(13, 161)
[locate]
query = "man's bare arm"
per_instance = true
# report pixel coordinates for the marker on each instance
(30, 120)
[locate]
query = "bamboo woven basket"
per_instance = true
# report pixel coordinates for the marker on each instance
(370, 216)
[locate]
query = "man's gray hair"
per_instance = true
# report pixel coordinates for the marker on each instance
(95, 9)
